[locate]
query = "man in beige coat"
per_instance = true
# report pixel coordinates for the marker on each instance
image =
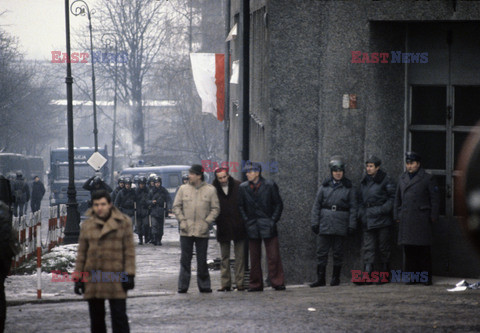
(196, 207)
(105, 266)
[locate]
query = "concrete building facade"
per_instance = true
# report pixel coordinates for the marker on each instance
(320, 78)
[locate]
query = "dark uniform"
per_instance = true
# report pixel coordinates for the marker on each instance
(126, 200)
(375, 199)
(334, 214)
(21, 193)
(141, 197)
(416, 207)
(121, 185)
(96, 183)
(158, 209)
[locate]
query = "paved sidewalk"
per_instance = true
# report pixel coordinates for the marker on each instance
(154, 305)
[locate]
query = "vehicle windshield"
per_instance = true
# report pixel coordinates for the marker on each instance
(82, 171)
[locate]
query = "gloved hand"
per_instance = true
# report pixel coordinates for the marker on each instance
(130, 283)
(79, 287)
(351, 231)
(315, 229)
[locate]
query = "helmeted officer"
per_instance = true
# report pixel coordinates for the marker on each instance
(120, 186)
(151, 181)
(125, 200)
(334, 215)
(141, 196)
(416, 207)
(158, 199)
(96, 183)
(375, 200)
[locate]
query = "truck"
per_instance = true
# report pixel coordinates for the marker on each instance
(58, 175)
(10, 163)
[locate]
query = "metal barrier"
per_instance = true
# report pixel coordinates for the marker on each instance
(52, 238)
(62, 222)
(28, 227)
(29, 236)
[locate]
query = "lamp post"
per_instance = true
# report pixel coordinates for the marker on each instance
(80, 7)
(108, 38)
(72, 228)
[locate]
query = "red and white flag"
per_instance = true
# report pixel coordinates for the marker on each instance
(209, 76)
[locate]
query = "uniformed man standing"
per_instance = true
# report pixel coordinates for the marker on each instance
(375, 199)
(141, 197)
(417, 203)
(158, 199)
(334, 215)
(121, 185)
(126, 200)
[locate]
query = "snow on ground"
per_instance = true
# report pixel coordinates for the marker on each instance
(157, 269)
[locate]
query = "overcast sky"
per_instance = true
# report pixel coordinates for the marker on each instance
(40, 25)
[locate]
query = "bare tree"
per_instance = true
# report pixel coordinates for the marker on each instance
(140, 27)
(26, 119)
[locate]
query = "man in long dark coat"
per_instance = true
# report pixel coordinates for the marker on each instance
(230, 227)
(38, 191)
(261, 208)
(416, 207)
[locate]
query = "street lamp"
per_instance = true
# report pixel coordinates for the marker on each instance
(79, 7)
(72, 228)
(108, 39)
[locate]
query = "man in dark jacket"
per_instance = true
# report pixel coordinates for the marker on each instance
(38, 191)
(21, 193)
(230, 227)
(375, 199)
(261, 207)
(141, 197)
(158, 200)
(126, 201)
(334, 215)
(416, 207)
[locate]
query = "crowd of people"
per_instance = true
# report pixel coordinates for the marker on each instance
(21, 194)
(246, 214)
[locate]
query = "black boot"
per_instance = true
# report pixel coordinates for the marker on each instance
(384, 273)
(320, 277)
(140, 240)
(369, 269)
(336, 276)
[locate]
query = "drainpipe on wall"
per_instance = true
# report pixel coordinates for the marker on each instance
(227, 83)
(244, 34)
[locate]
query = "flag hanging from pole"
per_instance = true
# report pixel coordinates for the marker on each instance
(209, 76)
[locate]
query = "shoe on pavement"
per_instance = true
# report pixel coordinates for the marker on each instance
(205, 290)
(282, 287)
(182, 291)
(255, 289)
(224, 289)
